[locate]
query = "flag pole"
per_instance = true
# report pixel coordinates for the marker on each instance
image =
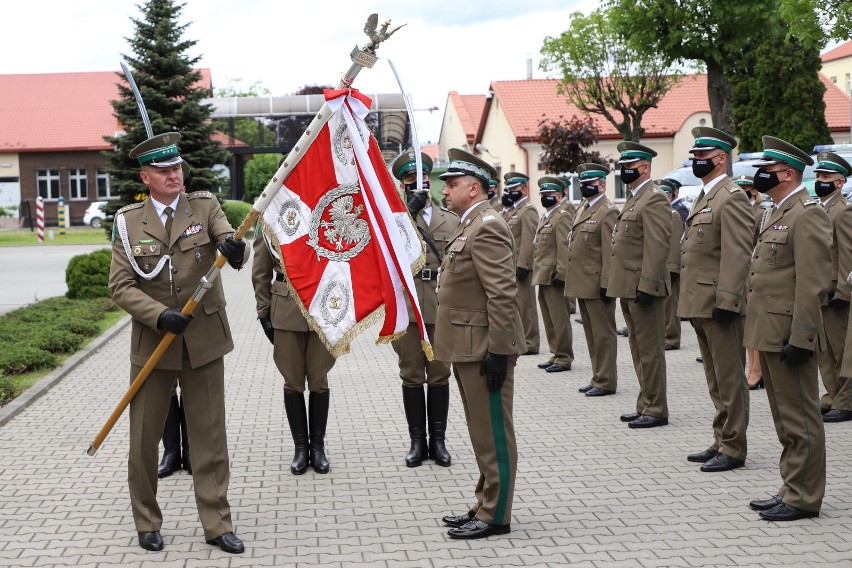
(361, 58)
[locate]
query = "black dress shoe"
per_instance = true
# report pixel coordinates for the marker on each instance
(151, 541)
(702, 457)
(785, 512)
(646, 421)
(765, 504)
(722, 462)
(228, 542)
(586, 388)
(699, 359)
(758, 385)
(544, 365)
(630, 417)
(458, 520)
(531, 353)
(623, 332)
(478, 529)
(595, 391)
(837, 416)
(556, 368)
(670, 347)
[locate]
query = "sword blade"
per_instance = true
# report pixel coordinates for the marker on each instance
(139, 102)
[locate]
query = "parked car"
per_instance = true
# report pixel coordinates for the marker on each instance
(690, 186)
(95, 215)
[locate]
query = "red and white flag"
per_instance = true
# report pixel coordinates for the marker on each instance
(348, 244)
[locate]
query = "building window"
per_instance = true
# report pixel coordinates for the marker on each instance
(848, 83)
(78, 183)
(104, 191)
(834, 79)
(47, 182)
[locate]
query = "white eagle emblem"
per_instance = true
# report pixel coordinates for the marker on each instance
(345, 228)
(345, 231)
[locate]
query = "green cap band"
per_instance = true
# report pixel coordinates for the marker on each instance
(492, 183)
(592, 174)
(717, 142)
(636, 154)
(515, 180)
(785, 157)
(743, 182)
(553, 186)
(157, 153)
(833, 166)
(410, 167)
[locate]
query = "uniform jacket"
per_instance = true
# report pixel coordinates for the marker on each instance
(789, 277)
(835, 205)
(477, 292)
(589, 252)
(568, 207)
(640, 245)
(550, 237)
(523, 221)
(843, 242)
(716, 247)
(673, 261)
(442, 225)
(199, 226)
(273, 296)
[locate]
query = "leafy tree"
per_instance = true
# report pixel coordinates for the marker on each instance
(288, 129)
(170, 88)
(252, 131)
(564, 143)
(259, 170)
(603, 74)
(776, 90)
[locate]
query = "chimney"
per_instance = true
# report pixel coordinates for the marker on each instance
(529, 67)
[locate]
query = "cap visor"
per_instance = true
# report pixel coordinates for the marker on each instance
(446, 175)
(760, 163)
(702, 148)
(827, 171)
(628, 160)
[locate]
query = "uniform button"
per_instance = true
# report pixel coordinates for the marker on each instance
(787, 310)
(178, 288)
(683, 266)
(171, 252)
(750, 290)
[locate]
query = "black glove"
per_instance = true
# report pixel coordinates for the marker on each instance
(233, 250)
(724, 316)
(173, 321)
(795, 356)
(267, 328)
(604, 297)
(416, 200)
(675, 276)
(835, 302)
(558, 282)
(521, 274)
(644, 299)
(494, 367)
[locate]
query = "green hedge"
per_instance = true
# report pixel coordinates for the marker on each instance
(235, 211)
(87, 275)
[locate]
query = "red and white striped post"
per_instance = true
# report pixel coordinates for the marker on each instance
(40, 218)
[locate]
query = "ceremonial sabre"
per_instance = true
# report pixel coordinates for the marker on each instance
(142, 110)
(361, 58)
(415, 143)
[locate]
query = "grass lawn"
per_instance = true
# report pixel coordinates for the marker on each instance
(73, 236)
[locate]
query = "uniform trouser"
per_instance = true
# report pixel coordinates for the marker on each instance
(672, 321)
(302, 357)
(646, 326)
(793, 394)
(492, 435)
(599, 327)
(724, 368)
(835, 322)
(414, 369)
(557, 324)
(203, 392)
(529, 314)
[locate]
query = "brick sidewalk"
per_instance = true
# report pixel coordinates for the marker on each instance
(590, 491)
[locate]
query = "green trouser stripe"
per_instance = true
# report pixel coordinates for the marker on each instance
(498, 429)
(744, 383)
(807, 433)
(659, 347)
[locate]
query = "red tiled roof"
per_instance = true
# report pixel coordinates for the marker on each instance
(60, 111)
(469, 109)
(226, 141)
(839, 52)
(430, 150)
(526, 102)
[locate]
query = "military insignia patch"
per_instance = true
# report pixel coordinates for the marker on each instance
(488, 217)
(706, 210)
(192, 230)
(591, 222)
(780, 227)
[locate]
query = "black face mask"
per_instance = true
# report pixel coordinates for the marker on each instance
(413, 186)
(702, 168)
(548, 201)
(516, 196)
(628, 176)
(588, 190)
(506, 200)
(764, 181)
(824, 188)
(490, 193)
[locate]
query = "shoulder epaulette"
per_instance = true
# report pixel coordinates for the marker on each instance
(445, 210)
(609, 205)
(811, 202)
(199, 195)
(735, 188)
(130, 207)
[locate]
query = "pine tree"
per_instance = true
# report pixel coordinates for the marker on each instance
(169, 85)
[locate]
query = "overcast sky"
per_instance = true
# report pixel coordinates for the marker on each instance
(458, 45)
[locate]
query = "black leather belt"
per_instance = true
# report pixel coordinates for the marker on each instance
(280, 277)
(427, 274)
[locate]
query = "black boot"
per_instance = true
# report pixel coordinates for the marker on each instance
(294, 405)
(184, 438)
(171, 441)
(438, 403)
(415, 413)
(318, 418)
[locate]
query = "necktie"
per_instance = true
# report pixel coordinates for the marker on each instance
(168, 211)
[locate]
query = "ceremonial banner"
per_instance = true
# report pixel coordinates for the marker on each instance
(348, 244)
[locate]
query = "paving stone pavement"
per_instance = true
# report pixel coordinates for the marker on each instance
(590, 492)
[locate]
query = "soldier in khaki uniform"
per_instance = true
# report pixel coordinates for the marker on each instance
(478, 328)
(568, 208)
(673, 263)
(788, 281)
(164, 246)
(550, 237)
(639, 276)
(587, 262)
(832, 171)
(717, 245)
(299, 354)
(436, 225)
(523, 221)
(494, 196)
